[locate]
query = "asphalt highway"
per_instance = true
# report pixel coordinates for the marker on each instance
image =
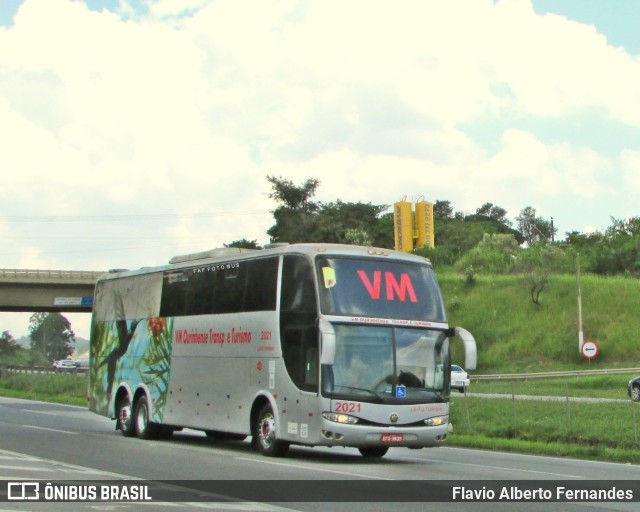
(51, 442)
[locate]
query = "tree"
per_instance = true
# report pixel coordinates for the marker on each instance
(494, 254)
(536, 264)
(292, 197)
(299, 219)
(244, 244)
(8, 344)
(461, 234)
(291, 226)
(358, 237)
(622, 227)
(51, 335)
(534, 229)
(489, 211)
(442, 210)
(295, 215)
(616, 251)
(335, 220)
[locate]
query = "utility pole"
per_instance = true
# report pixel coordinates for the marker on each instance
(580, 333)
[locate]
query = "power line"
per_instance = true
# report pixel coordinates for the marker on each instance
(128, 217)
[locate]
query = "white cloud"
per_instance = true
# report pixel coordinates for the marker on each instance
(585, 173)
(630, 161)
(103, 114)
(172, 8)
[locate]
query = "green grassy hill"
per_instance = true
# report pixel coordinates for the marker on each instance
(515, 335)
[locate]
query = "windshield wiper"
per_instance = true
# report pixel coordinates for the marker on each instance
(436, 393)
(376, 395)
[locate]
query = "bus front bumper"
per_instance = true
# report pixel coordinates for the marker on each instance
(334, 434)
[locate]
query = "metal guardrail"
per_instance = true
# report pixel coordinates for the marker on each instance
(504, 376)
(22, 274)
(45, 369)
(543, 375)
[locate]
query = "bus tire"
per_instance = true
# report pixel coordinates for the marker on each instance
(145, 428)
(124, 420)
(373, 452)
(265, 434)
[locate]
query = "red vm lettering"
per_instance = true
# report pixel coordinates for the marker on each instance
(393, 287)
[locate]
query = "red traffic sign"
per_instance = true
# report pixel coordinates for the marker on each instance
(589, 349)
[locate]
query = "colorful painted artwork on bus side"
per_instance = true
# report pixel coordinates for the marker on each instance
(133, 351)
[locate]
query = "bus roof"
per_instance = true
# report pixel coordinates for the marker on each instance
(224, 254)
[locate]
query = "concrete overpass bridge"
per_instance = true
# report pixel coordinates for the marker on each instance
(47, 290)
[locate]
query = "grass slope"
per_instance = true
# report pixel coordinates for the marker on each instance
(515, 335)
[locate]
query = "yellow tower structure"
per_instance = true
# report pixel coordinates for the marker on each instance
(403, 226)
(413, 230)
(424, 224)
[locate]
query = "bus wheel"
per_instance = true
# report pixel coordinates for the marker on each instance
(145, 429)
(266, 435)
(125, 421)
(373, 452)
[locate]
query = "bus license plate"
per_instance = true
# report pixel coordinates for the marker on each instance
(392, 438)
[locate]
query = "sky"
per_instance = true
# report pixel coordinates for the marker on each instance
(135, 130)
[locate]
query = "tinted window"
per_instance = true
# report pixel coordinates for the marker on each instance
(298, 322)
(380, 289)
(231, 287)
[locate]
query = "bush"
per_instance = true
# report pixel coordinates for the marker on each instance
(70, 388)
(493, 255)
(440, 256)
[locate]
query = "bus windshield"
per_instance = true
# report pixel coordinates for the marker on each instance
(387, 364)
(378, 288)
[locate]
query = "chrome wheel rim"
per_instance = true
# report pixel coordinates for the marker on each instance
(125, 416)
(141, 419)
(267, 430)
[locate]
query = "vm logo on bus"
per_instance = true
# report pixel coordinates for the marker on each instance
(393, 287)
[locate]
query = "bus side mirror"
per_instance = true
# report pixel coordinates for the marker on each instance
(470, 349)
(328, 342)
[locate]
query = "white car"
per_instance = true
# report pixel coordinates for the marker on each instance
(65, 364)
(459, 378)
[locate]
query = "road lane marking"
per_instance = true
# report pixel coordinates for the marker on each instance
(50, 429)
(66, 466)
(26, 468)
(234, 504)
(4, 400)
(41, 412)
(297, 466)
(484, 466)
(225, 505)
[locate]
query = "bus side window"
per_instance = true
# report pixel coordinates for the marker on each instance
(174, 293)
(298, 326)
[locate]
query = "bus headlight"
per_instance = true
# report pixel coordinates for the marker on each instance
(339, 418)
(436, 421)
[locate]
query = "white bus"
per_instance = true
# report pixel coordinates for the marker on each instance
(305, 344)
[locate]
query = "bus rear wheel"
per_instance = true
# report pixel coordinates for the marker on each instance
(265, 434)
(124, 417)
(373, 452)
(145, 428)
